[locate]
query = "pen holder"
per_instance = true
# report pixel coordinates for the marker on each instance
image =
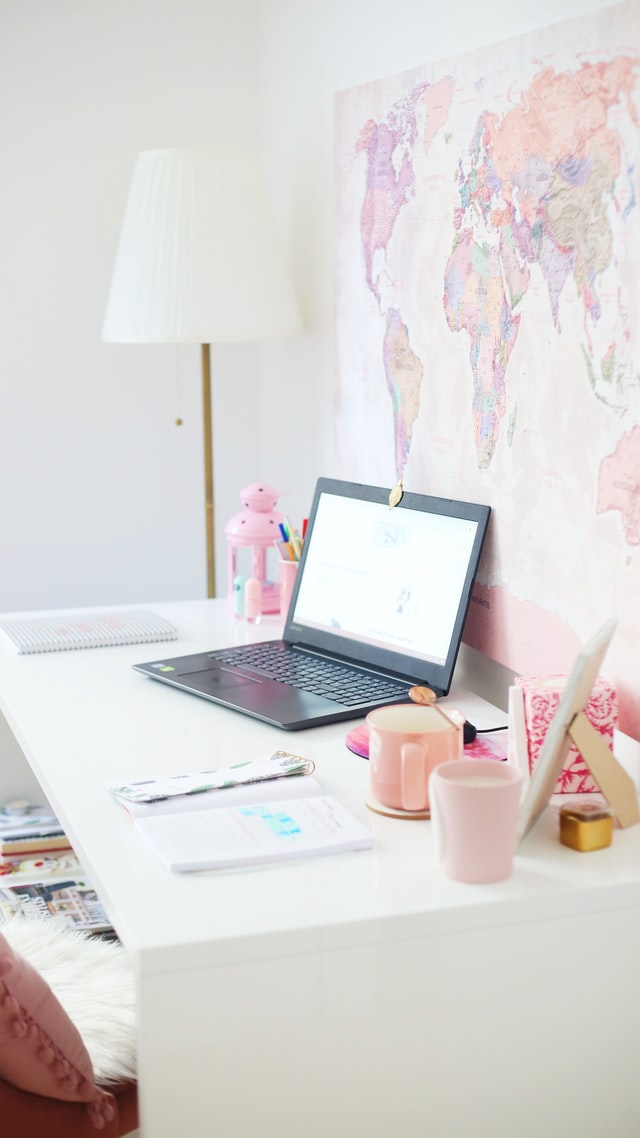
(288, 570)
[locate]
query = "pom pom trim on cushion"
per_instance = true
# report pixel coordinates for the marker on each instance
(72, 1082)
(93, 981)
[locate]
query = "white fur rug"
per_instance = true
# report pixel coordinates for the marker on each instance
(93, 981)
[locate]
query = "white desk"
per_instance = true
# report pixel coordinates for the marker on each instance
(359, 994)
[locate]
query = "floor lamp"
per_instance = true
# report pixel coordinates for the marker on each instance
(198, 262)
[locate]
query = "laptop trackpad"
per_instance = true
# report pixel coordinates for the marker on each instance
(218, 679)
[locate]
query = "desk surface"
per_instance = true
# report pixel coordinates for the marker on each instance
(85, 718)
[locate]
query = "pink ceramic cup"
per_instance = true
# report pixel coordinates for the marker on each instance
(474, 812)
(406, 742)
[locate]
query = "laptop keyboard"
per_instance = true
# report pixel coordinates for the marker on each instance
(339, 682)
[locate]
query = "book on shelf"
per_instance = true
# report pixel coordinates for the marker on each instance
(34, 844)
(57, 632)
(32, 829)
(251, 816)
(70, 900)
(21, 818)
(16, 869)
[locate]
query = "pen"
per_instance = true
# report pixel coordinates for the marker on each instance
(294, 539)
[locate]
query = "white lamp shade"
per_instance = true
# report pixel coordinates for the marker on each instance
(198, 259)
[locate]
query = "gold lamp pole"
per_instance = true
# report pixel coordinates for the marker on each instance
(198, 262)
(208, 470)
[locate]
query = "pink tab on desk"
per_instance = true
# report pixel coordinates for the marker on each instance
(358, 741)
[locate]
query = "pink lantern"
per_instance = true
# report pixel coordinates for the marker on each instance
(251, 537)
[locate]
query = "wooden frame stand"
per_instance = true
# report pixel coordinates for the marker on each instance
(570, 725)
(617, 786)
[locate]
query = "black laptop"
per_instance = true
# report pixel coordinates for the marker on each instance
(379, 604)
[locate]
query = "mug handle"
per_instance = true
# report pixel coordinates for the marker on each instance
(413, 777)
(436, 822)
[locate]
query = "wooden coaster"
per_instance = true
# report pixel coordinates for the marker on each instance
(391, 812)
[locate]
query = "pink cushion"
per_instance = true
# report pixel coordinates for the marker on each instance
(41, 1050)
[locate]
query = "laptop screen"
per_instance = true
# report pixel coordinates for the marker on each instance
(392, 586)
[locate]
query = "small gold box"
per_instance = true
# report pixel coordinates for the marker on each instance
(586, 826)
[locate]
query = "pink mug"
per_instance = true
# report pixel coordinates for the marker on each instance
(406, 742)
(475, 806)
(288, 571)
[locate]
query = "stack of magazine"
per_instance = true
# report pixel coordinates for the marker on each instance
(40, 874)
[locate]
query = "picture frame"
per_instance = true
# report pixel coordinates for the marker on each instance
(570, 725)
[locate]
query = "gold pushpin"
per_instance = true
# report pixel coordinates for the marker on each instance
(396, 494)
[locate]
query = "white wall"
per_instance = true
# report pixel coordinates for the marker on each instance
(101, 498)
(101, 495)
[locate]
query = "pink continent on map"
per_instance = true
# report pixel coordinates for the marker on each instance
(389, 180)
(536, 192)
(390, 183)
(619, 484)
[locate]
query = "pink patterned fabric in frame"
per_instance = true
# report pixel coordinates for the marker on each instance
(541, 696)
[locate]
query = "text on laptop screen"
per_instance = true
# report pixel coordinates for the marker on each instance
(391, 578)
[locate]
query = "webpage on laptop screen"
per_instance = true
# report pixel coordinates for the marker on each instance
(391, 578)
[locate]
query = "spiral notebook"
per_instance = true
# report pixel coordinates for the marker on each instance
(56, 632)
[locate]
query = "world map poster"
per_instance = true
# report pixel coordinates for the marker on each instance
(488, 323)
